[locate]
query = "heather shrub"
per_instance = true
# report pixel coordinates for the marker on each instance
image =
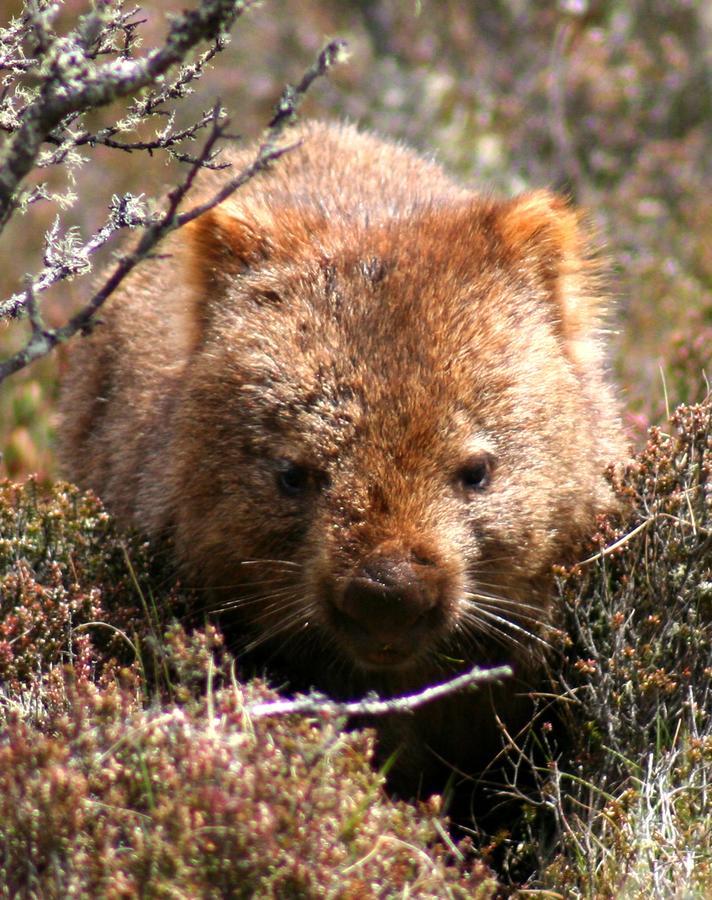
(113, 799)
(130, 762)
(632, 795)
(62, 567)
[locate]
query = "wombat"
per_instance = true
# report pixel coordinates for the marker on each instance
(368, 410)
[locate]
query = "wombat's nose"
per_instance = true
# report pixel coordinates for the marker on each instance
(386, 596)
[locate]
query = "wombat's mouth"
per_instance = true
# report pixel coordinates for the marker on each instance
(385, 657)
(386, 650)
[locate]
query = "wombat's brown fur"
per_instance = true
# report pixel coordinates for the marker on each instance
(368, 409)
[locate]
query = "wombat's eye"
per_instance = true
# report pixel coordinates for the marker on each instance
(293, 479)
(476, 473)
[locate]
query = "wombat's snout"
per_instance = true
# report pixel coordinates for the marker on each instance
(388, 605)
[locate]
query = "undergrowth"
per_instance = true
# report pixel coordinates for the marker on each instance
(634, 803)
(130, 764)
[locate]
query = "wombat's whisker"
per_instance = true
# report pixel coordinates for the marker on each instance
(495, 603)
(258, 597)
(284, 604)
(501, 601)
(488, 564)
(492, 625)
(253, 582)
(286, 625)
(286, 563)
(279, 569)
(239, 587)
(507, 624)
(292, 628)
(287, 599)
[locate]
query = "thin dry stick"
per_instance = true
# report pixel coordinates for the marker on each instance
(375, 706)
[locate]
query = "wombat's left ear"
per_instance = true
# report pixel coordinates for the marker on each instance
(220, 245)
(230, 239)
(543, 232)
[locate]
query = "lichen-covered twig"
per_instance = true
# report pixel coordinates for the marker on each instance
(71, 83)
(70, 86)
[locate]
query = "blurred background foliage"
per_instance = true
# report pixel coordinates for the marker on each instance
(606, 100)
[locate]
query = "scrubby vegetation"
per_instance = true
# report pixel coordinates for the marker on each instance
(634, 805)
(131, 764)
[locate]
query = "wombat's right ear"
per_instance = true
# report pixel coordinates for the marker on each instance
(220, 246)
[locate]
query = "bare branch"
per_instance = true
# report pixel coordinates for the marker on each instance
(58, 266)
(72, 84)
(318, 705)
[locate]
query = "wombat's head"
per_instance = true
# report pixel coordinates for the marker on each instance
(390, 432)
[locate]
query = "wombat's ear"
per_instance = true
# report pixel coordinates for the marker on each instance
(220, 246)
(541, 231)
